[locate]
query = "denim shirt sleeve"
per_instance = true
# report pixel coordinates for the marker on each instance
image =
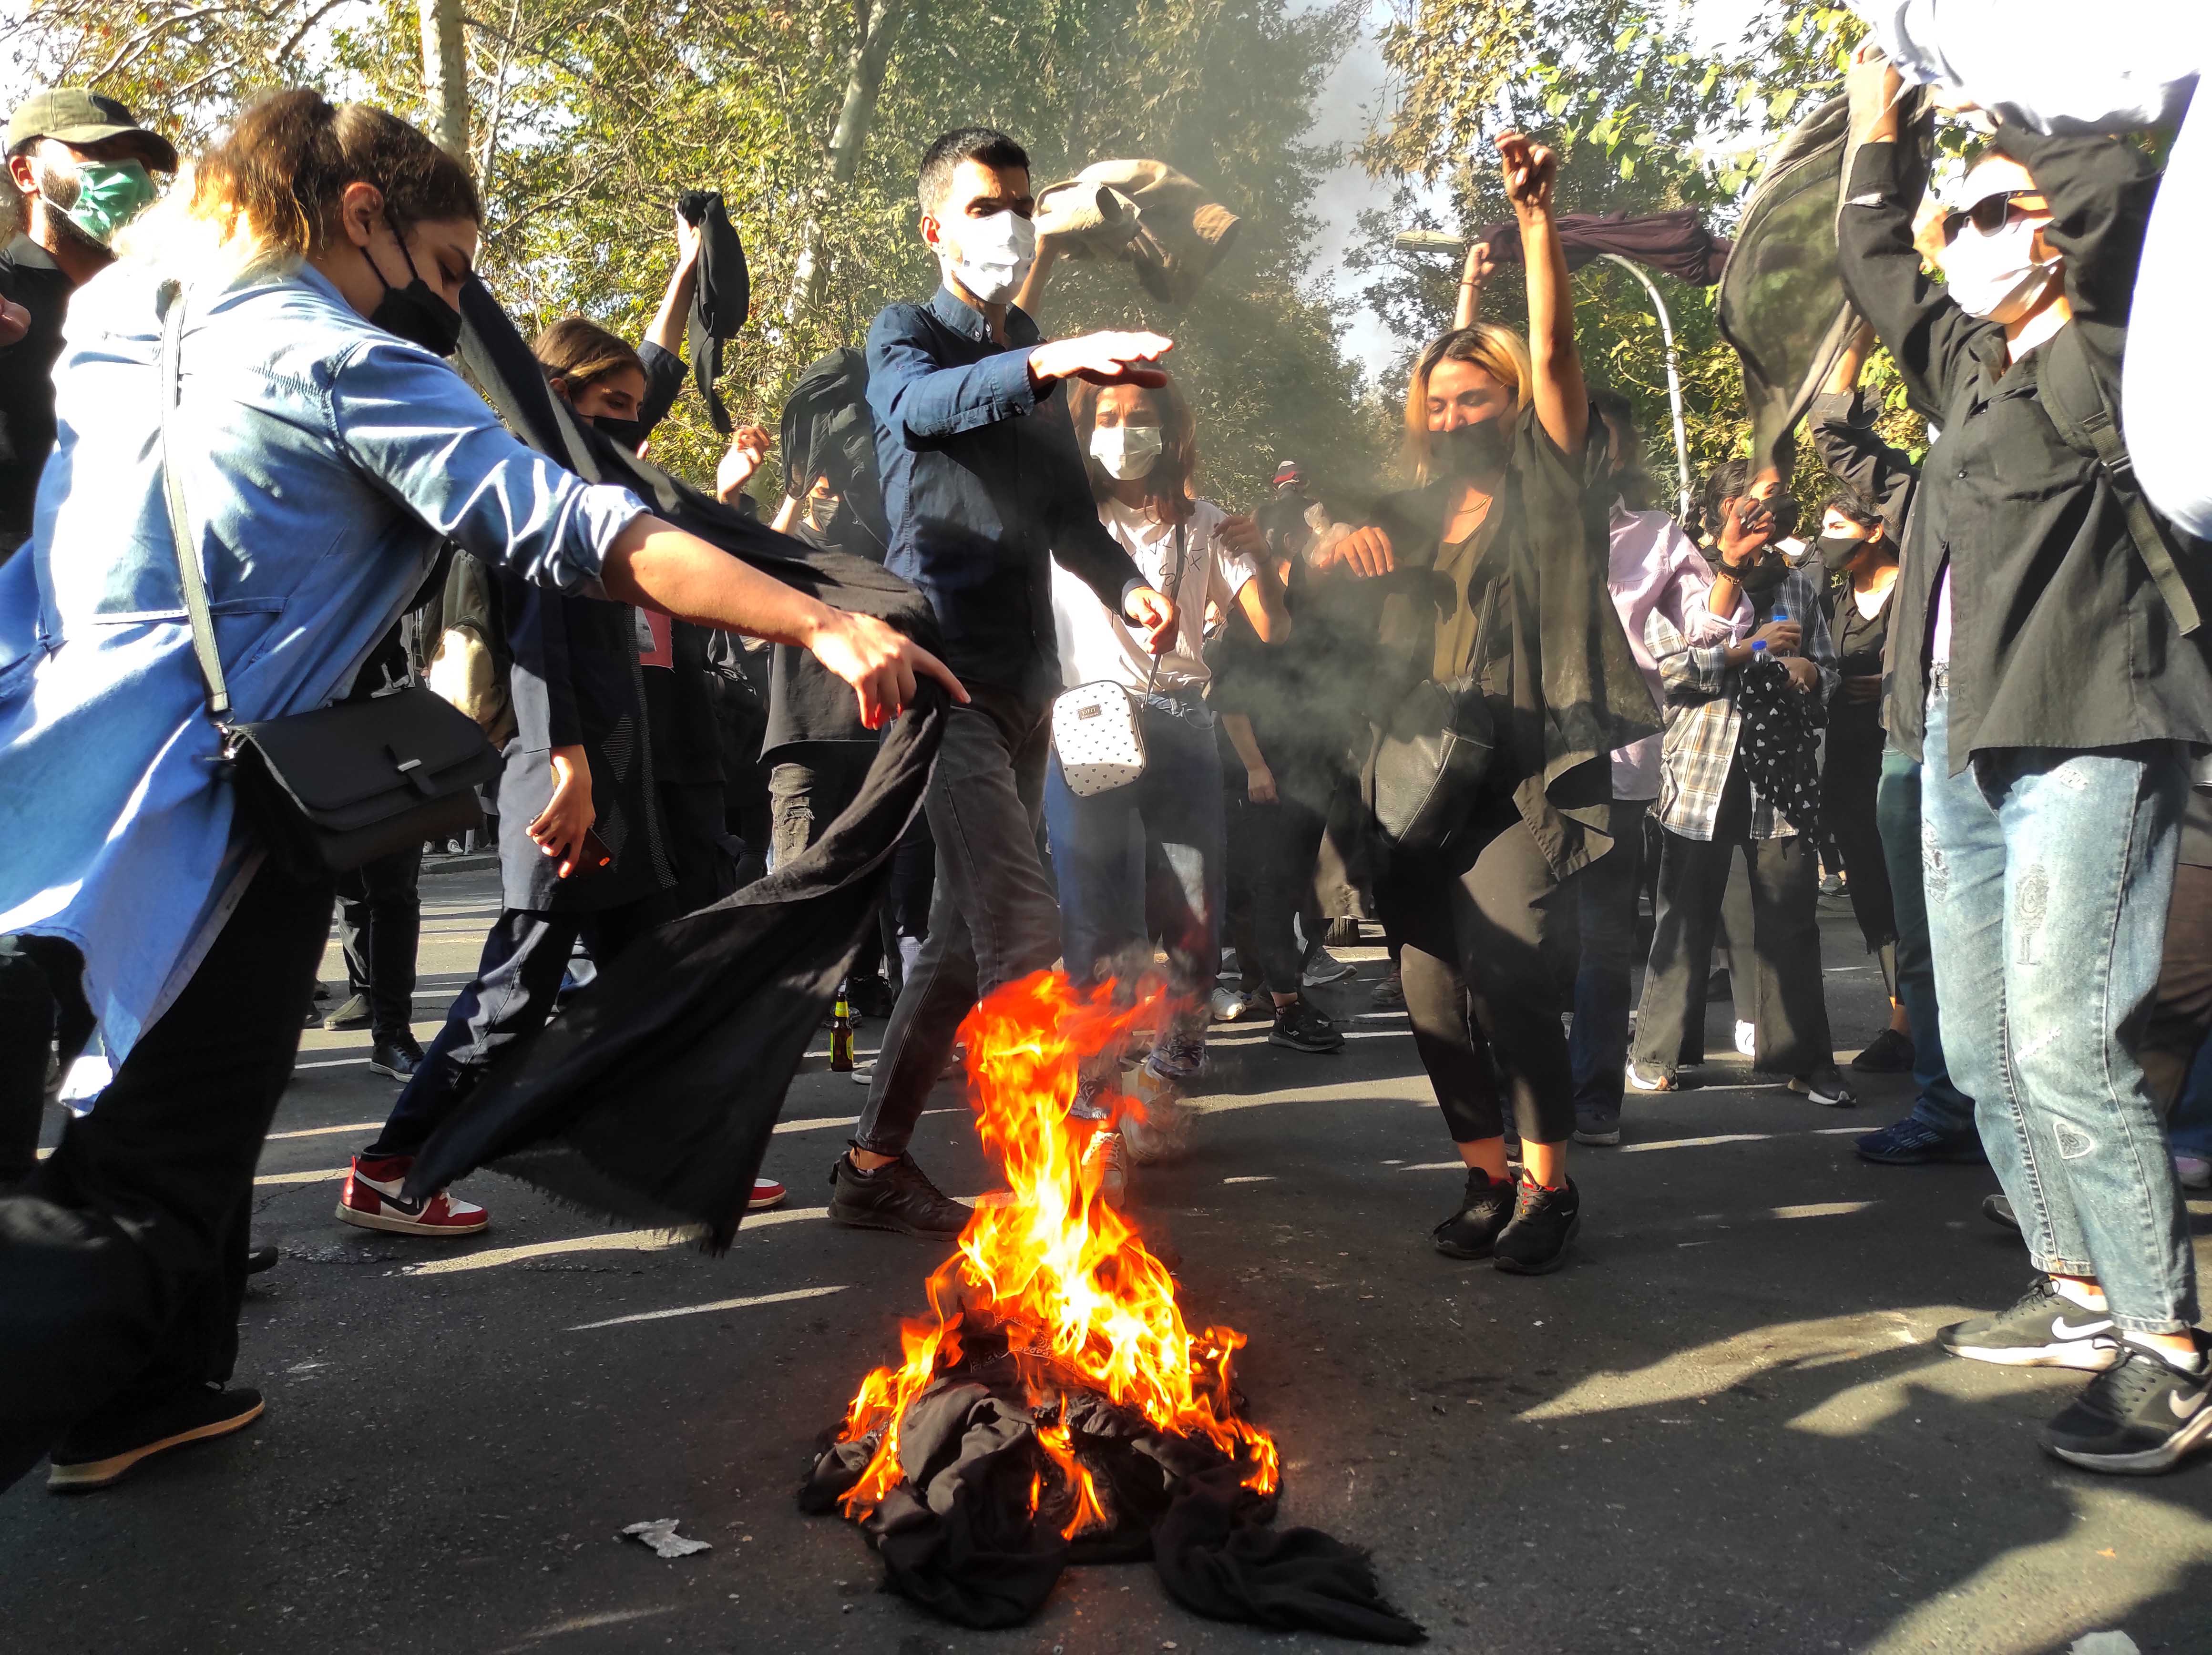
(924, 402)
(413, 424)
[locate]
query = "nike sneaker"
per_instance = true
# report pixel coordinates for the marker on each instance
(372, 1199)
(2045, 1328)
(2138, 1417)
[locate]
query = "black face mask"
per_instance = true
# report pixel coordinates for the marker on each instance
(1472, 450)
(415, 312)
(1839, 552)
(1765, 576)
(630, 434)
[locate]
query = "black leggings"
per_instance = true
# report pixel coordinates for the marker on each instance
(1482, 932)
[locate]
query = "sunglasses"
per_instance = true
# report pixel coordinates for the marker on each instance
(1992, 213)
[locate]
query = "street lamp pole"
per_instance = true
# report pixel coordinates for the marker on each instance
(1673, 378)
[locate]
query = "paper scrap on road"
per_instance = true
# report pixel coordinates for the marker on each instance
(660, 1535)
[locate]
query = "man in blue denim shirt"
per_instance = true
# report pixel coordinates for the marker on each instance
(981, 485)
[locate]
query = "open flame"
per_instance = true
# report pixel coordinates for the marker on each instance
(1073, 1289)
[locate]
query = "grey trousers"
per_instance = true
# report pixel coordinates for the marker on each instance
(993, 918)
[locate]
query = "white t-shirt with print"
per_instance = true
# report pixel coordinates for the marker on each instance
(1095, 645)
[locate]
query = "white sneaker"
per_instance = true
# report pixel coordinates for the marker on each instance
(2195, 1171)
(1106, 1152)
(1746, 1039)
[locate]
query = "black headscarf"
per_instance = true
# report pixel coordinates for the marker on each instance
(723, 298)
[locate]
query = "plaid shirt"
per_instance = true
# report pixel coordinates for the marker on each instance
(1702, 719)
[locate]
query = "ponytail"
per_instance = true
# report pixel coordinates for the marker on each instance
(270, 188)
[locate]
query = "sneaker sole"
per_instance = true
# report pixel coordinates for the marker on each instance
(2064, 1356)
(2146, 1462)
(1513, 1266)
(92, 1474)
(860, 1219)
(1309, 1047)
(1841, 1101)
(407, 1226)
(1598, 1140)
(386, 1069)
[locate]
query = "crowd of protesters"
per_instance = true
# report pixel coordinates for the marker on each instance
(1969, 705)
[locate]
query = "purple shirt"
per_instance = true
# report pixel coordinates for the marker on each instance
(1653, 566)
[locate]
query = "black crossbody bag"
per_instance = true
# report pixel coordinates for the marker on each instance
(327, 790)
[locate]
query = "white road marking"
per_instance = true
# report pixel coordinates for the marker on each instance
(701, 1310)
(659, 1240)
(322, 1176)
(1251, 1178)
(330, 1131)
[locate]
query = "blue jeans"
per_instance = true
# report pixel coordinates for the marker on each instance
(1146, 859)
(2047, 875)
(1608, 891)
(1940, 1104)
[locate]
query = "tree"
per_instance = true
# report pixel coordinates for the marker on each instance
(588, 117)
(1644, 121)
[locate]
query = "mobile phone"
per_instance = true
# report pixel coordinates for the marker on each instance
(591, 855)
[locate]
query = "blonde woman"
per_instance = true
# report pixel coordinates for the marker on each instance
(1493, 569)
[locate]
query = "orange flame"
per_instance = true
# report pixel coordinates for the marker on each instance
(1072, 1284)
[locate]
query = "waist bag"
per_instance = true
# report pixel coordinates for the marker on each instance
(327, 790)
(1097, 733)
(1429, 763)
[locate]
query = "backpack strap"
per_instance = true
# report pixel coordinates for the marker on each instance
(2073, 398)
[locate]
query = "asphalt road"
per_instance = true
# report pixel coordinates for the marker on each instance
(1724, 1427)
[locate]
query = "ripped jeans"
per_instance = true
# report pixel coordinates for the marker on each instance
(2047, 874)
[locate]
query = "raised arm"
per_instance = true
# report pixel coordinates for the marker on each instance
(1562, 398)
(1471, 275)
(1841, 423)
(1925, 331)
(667, 328)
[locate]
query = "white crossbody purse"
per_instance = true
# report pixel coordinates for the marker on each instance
(1097, 731)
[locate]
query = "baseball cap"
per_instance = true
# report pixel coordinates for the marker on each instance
(75, 116)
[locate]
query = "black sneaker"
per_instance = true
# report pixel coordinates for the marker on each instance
(870, 997)
(1998, 1210)
(1303, 1029)
(399, 1057)
(1596, 1126)
(2138, 1417)
(2043, 1328)
(1544, 1224)
(101, 1449)
(1825, 1087)
(260, 1257)
(897, 1197)
(354, 1014)
(1484, 1211)
(1888, 1053)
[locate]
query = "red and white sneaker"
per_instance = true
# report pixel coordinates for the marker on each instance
(767, 1194)
(372, 1199)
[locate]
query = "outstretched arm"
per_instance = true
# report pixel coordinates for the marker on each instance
(667, 328)
(1562, 398)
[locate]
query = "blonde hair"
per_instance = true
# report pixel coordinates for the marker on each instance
(1496, 351)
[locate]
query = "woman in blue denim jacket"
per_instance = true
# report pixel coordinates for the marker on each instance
(326, 452)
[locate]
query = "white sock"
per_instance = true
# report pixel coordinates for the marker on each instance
(2075, 1292)
(2192, 1363)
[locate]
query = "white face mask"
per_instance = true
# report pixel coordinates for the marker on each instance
(994, 254)
(1127, 452)
(1997, 277)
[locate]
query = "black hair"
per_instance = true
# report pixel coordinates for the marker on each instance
(984, 143)
(1730, 480)
(1634, 482)
(1855, 504)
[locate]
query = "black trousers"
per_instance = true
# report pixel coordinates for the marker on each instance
(2182, 1013)
(123, 1261)
(381, 926)
(1849, 786)
(1285, 841)
(808, 788)
(1484, 933)
(1791, 1008)
(42, 1010)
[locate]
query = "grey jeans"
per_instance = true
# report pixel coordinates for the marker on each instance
(993, 918)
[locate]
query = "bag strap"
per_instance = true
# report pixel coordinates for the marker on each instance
(1175, 585)
(2093, 433)
(188, 576)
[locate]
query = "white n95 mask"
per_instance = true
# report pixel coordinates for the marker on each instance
(1996, 276)
(1127, 452)
(995, 254)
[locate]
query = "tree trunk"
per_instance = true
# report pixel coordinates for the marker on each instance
(863, 85)
(445, 77)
